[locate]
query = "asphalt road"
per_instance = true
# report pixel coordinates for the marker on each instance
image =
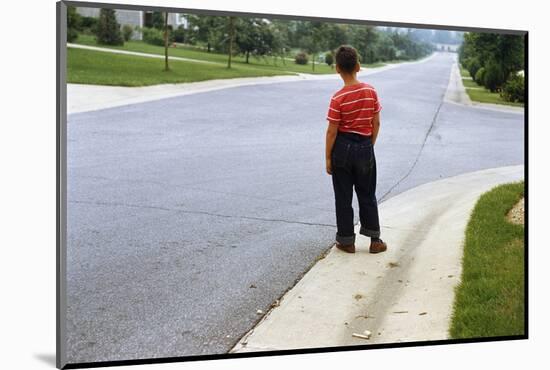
(189, 214)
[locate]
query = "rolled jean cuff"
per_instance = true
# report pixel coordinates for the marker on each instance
(345, 240)
(369, 233)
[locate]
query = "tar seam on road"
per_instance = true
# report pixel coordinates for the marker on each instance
(197, 212)
(382, 198)
(186, 187)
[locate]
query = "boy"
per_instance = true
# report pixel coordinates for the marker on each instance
(354, 122)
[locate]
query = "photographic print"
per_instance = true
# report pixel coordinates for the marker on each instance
(241, 183)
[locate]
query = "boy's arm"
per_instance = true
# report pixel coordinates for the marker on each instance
(375, 127)
(332, 131)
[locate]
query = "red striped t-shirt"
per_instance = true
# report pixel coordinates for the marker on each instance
(353, 108)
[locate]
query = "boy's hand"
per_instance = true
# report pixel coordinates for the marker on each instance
(329, 167)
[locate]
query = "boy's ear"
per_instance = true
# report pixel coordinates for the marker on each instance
(337, 68)
(357, 67)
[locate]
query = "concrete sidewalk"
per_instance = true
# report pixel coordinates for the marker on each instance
(85, 98)
(456, 94)
(405, 294)
(139, 54)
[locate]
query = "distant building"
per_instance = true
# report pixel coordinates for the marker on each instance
(135, 18)
(453, 48)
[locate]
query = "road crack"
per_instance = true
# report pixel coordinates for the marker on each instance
(179, 210)
(430, 129)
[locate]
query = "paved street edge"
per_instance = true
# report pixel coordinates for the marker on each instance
(84, 98)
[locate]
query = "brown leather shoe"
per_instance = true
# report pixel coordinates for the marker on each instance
(349, 248)
(377, 247)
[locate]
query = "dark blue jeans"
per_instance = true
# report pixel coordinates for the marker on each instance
(354, 164)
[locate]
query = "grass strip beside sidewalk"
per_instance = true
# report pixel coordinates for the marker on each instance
(100, 68)
(489, 301)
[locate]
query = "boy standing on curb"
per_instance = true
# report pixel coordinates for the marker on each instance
(354, 122)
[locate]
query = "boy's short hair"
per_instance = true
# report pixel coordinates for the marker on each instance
(346, 58)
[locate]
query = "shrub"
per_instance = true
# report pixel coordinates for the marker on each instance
(514, 89)
(329, 58)
(178, 35)
(108, 29)
(153, 36)
(494, 76)
(301, 58)
(127, 32)
(480, 76)
(472, 65)
(88, 24)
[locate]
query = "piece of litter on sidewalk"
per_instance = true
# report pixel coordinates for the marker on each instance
(422, 313)
(400, 311)
(393, 264)
(360, 336)
(275, 304)
(259, 312)
(252, 286)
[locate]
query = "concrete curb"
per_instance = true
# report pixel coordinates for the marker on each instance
(85, 98)
(405, 294)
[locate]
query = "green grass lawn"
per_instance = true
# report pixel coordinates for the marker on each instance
(489, 301)
(100, 68)
(481, 94)
(194, 53)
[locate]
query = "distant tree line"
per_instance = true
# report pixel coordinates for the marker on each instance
(259, 38)
(278, 39)
(493, 61)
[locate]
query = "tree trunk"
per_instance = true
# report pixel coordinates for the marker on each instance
(247, 54)
(208, 48)
(313, 63)
(231, 36)
(166, 67)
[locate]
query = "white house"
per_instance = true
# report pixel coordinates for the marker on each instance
(135, 18)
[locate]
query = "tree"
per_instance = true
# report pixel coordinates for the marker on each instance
(108, 29)
(166, 67)
(500, 55)
(255, 37)
(157, 20)
(313, 38)
(281, 39)
(73, 23)
(231, 39)
(364, 39)
(207, 29)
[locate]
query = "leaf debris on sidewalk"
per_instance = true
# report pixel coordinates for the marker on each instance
(400, 311)
(393, 264)
(364, 317)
